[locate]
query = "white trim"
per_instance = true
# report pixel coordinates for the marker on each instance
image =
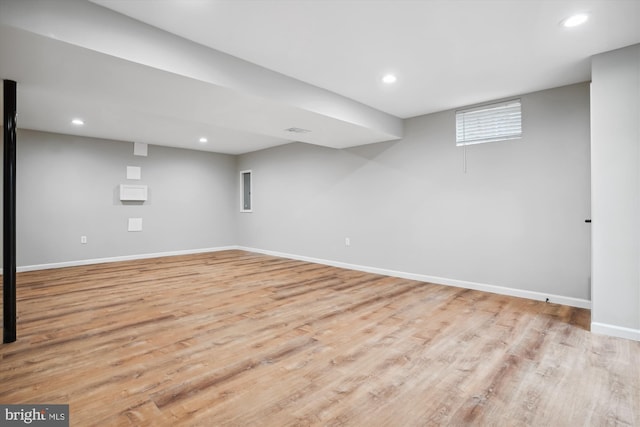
(615, 331)
(557, 299)
(538, 296)
(120, 258)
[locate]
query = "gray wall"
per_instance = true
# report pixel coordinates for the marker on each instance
(615, 168)
(68, 187)
(514, 219)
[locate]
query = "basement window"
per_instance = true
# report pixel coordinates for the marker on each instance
(245, 191)
(489, 123)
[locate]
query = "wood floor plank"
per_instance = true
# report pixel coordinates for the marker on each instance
(235, 338)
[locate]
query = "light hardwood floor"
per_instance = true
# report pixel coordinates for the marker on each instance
(240, 339)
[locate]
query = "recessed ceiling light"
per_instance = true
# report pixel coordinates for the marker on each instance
(389, 78)
(77, 122)
(575, 20)
(203, 140)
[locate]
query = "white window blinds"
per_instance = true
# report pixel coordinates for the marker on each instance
(489, 123)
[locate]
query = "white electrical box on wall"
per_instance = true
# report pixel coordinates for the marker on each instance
(140, 149)
(135, 224)
(133, 193)
(134, 172)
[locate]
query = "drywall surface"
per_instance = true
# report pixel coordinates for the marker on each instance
(514, 219)
(615, 164)
(68, 187)
(85, 24)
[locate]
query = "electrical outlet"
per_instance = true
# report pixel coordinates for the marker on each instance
(347, 241)
(83, 240)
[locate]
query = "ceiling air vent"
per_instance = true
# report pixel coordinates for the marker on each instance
(297, 130)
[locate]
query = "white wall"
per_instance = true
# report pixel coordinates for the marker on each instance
(615, 165)
(67, 187)
(514, 220)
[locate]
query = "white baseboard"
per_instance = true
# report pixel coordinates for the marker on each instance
(598, 328)
(557, 299)
(120, 258)
(615, 331)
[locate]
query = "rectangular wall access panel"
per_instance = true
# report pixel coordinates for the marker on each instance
(245, 191)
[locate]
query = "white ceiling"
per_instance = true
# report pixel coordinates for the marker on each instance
(446, 53)
(71, 57)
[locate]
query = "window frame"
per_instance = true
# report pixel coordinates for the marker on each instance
(483, 112)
